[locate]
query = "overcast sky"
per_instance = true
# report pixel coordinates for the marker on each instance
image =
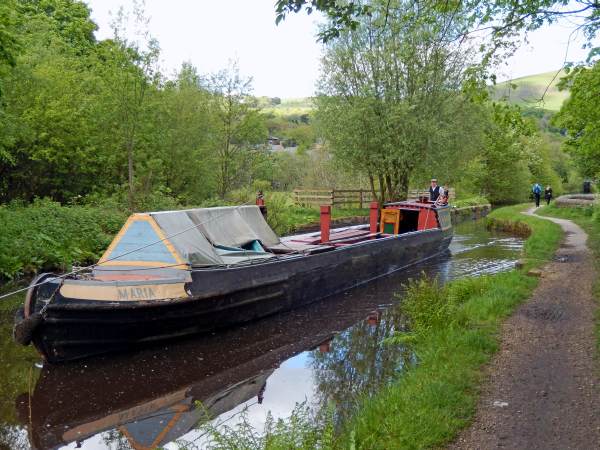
(283, 60)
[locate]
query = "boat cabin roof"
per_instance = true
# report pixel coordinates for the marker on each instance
(179, 239)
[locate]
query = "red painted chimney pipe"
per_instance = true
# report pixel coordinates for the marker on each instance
(260, 199)
(373, 216)
(325, 222)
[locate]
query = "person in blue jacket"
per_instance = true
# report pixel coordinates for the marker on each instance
(537, 193)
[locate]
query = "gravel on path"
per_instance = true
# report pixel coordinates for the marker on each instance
(542, 388)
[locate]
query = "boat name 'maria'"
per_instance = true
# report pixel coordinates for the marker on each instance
(135, 293)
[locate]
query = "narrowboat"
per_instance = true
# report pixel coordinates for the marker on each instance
(175, 273)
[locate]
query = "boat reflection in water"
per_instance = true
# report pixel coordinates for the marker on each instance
(158, 395)
(327, 353)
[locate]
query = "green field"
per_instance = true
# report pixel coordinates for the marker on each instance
(528, 91)
(291, 106)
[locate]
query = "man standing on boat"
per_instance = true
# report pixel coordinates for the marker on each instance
(434, 190)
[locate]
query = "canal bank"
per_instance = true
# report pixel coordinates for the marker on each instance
(541, 389)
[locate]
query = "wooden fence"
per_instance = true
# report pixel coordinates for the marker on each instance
(335, 197)
(414, 194)
(359, 198)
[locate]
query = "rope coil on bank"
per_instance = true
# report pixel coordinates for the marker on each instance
(91, 266)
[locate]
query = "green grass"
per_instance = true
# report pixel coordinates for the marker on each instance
(530, 89)
(455, 333)
(292, 107)
(470, 201)
(588, 218)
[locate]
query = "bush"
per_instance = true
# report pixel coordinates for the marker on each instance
(303, 429)
(157, 200)
(46, 236)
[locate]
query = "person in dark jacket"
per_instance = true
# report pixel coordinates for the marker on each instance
(537, 193)
(434, 190)
(548, 194)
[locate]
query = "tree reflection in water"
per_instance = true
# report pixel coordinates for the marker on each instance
(115, 440)
(18, 375)
(358, 362)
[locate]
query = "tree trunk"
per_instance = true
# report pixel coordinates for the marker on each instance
(131, 193)
(402, 185)
(390, 188)
(372, 184)
(381, 189)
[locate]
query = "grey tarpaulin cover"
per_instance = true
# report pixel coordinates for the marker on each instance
(178, 239)
(191, 244)
(233, 226)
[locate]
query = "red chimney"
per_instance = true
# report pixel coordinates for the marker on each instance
(373, 216)
(325, 222)
(260, 199)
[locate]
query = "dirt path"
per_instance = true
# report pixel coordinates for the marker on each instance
(542, 387)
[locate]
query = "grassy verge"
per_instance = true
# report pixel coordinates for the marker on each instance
(471, 201)
(455, 331)
(588, 218)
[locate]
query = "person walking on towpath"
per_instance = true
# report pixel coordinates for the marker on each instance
(434, 190)
(537, 192)
(548, 194)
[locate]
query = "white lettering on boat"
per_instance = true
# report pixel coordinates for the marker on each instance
(144, 292)
(136, 293)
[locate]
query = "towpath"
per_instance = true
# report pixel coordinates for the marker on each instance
(542, 389)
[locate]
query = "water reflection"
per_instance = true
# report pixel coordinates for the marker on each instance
(357, 362)
(332, 351)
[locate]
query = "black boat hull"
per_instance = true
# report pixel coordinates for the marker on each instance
(224, 297)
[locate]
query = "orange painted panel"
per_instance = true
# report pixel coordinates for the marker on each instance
(427, 219)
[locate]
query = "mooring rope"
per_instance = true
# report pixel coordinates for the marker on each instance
(91, 266)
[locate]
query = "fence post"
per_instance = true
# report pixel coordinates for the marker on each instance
(360, 201)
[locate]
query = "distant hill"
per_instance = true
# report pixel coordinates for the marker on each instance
(529, 91)
(287, 106)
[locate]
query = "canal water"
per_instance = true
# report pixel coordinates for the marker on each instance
(331, 353)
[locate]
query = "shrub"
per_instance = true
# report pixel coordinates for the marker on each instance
(46, 235)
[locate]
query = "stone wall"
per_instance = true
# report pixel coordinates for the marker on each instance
(469, 213)
(565, 201)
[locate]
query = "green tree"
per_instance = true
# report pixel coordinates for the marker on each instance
(129, 73)
(45, 116)
(501, 169)
(238, 128)
(8, 39)
(580, 117)
(182, 109)
(392, 96)
(503, 20)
